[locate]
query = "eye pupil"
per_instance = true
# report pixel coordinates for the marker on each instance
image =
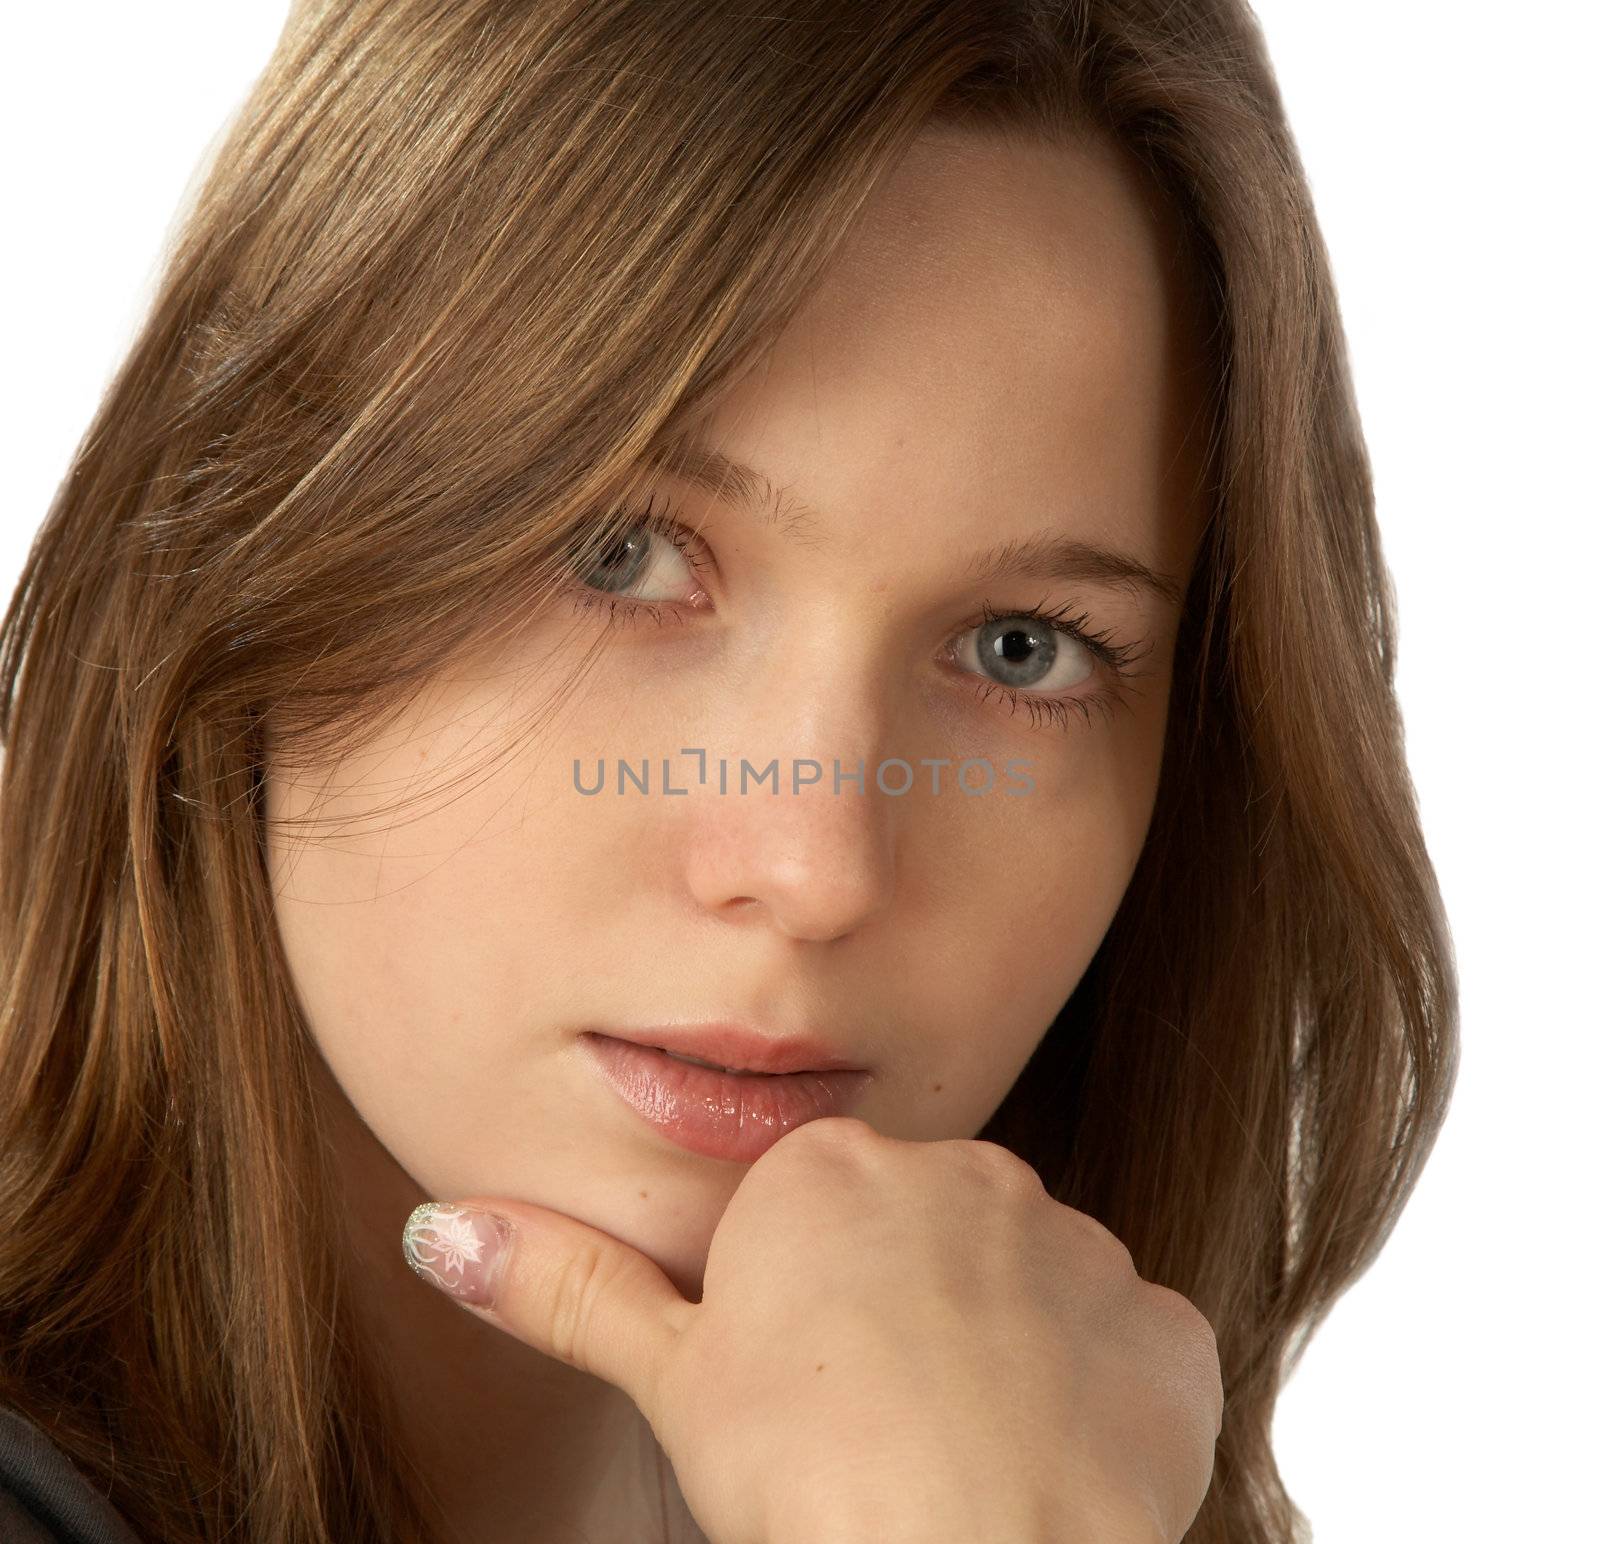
(1015, 644)
(1023, 652)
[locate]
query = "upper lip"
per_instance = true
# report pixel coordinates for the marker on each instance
(735, 1046)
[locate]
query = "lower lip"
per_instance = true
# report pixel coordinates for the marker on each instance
(736, 1116)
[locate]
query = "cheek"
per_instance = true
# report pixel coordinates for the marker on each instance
(396, 928)
(1027, 895)
(1030, 926)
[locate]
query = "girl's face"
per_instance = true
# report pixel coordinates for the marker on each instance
(1002, 361)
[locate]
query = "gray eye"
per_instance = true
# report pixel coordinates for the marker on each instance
(635, 553)
(619, 562)
(1022, 652)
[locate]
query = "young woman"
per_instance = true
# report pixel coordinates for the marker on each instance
(832, 541)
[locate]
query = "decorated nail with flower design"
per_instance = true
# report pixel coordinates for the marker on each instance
(457, 1249)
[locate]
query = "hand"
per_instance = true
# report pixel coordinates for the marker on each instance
(895, 1341)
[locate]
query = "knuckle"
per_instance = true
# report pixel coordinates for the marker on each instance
(836, 1144)
(1001, 1165)
(1190, 1321)
(830, 1133)
(1100, 1242)
(840, 1128)
(1205, 1365)
(1182, 1337)
(570, 1292)
(1196, 1337)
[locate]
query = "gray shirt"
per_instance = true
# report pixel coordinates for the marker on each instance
(44, 1497)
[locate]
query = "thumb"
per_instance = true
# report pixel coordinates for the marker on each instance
(571, 1291)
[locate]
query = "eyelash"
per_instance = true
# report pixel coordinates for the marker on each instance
(1118, 658)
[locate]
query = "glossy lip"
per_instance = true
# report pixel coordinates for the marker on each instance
(733, 1046)
(728, 1115)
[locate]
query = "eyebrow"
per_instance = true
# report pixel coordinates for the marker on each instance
(1045, 556)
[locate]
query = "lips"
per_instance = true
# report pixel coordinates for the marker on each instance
(733, 1048)
(734, 1115)
(694, 1061)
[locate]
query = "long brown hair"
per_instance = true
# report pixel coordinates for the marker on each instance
(456, 273)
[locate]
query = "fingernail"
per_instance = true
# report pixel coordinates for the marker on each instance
(457, 1249)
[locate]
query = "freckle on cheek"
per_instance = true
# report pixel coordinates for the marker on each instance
(643, 1194)
(938, 1087)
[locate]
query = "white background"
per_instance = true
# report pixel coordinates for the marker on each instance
(1450, 1396)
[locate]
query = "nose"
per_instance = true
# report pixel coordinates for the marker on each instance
(790, 852)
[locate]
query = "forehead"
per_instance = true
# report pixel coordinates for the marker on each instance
(1004, 334)
(1059, 250)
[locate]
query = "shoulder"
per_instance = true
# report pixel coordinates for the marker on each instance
(44, 1497)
